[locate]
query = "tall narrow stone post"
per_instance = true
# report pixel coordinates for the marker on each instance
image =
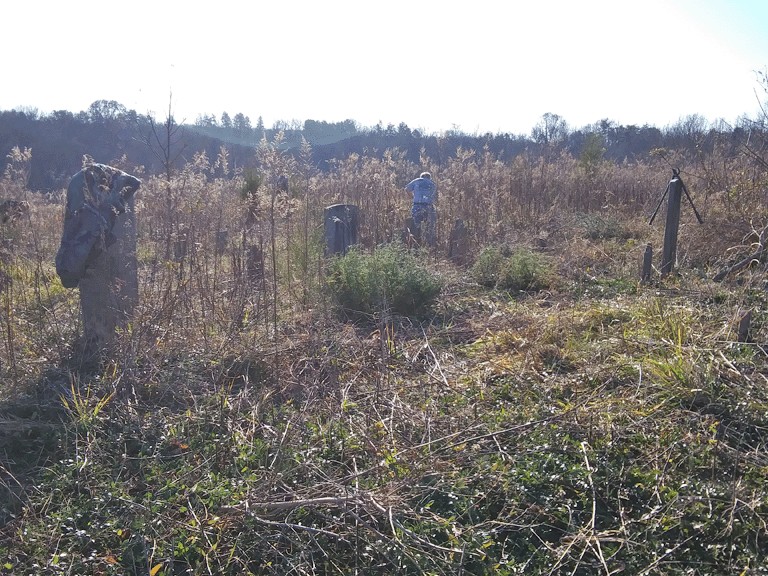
(672, 225)
(645, 274)
(676, 188)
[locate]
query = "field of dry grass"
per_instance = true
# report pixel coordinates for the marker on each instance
(248, 422)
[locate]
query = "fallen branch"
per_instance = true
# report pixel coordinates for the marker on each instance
(324, 501)
(295, 527)
(756, 256)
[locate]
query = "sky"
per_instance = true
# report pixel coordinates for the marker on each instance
(476, 66)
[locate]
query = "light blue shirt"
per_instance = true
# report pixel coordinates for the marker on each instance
(424, 190)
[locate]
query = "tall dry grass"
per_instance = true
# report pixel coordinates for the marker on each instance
(227, 256)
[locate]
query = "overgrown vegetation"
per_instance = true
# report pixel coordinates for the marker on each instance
(535, 410)
(389, 280)
(520, 269)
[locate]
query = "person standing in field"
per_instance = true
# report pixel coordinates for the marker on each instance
(424, 191)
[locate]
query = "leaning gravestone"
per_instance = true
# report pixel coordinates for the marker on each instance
(98, 251)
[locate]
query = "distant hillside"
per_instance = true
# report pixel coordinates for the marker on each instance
(110, 133)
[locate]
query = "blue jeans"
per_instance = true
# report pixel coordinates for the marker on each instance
(424, 221)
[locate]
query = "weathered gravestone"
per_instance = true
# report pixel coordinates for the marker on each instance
(98, 251)
(222, 238)
(458, 242)
(340, 225)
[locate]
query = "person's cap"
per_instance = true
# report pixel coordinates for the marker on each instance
(426, 175)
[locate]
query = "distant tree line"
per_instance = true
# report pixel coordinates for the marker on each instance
(110, 133)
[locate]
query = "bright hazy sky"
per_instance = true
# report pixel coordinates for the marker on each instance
(477, 66)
